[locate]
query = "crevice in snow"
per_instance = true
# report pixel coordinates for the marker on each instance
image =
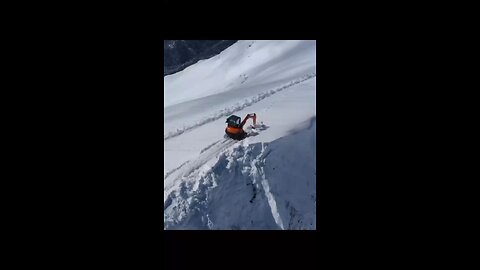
(272, 203)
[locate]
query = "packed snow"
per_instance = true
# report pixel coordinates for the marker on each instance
(266, 181)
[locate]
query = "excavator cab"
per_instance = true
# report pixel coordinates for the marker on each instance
(233, 121)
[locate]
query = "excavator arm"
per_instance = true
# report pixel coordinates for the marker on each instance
(250, 115)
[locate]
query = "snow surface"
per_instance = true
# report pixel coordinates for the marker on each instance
(267, 180)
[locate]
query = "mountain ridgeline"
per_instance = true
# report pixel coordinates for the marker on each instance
(179, 54)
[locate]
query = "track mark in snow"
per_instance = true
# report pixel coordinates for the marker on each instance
(175, 169)
(209, 146)
(237, 107)
(206, 155)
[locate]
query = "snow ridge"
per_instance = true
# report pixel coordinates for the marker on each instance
(237, 107)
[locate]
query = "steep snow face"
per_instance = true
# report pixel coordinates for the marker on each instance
(266, 181)
(244, 67)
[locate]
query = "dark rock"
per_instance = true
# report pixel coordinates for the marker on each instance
(179, 54)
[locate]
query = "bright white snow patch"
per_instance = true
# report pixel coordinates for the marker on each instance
(266, 181)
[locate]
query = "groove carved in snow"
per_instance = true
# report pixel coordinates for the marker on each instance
(236, 107)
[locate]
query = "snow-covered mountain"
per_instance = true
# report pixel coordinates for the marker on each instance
(267, 180)
(179, 54)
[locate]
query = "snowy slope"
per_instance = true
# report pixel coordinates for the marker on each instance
(266, 181)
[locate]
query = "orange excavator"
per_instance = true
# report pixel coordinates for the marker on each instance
(234, 127)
